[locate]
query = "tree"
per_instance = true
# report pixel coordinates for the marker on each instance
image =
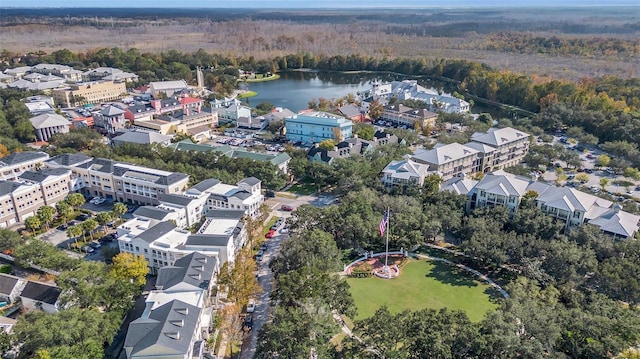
(239, 278)
(632, 173)
(231, 323)
(90, 225)
(328, 145)
(119, 209)
(75, 231)
(75, 200)
(64, 210)
(582, 177)
(33, 223)
(129, 267)
(104, 217)
(603, 183)
(45, 215)
(314, 248)
(375, 109)
(337, 134)
(364, 131)
(603, 161)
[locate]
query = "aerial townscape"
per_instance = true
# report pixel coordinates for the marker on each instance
(329, 181)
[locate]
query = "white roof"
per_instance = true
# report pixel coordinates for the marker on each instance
(459, 185)
(480, 147)
(504, 184)
(41, 77)
(48, 120)
(498, 136)
(570, 199)
(617, 222)
(168, 85)
(442, 154)
(18, 70)
(406, 169)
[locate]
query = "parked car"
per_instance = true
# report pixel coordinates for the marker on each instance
(270, 234)
(62, 227)
(264, 247)
(284, 207)
(87, 249)
(83, 217)
(269, 194)
(248, 323)
(251, 306)
(95, 245)
(94, 200)
(284, 230)
(100, 201)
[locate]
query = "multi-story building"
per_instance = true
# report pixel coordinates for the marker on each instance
(15, 164)
(316, 126)
(404, 173)
(410, 90)
(108, 73)
(90, 92)
(120, 181)
(246, 196)
(231, 111)
(350, 147)
(21, 198)
(410, 117)
(159, 89)
(63, 71)
(566, 204)
(511, 146)
(450, 160)
(109, 120)
(177, 317)
(162, 243)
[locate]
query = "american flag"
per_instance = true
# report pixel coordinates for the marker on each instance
(383, 224)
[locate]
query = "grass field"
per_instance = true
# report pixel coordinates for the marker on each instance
(248, 94)
(303, 189)
(424, 284)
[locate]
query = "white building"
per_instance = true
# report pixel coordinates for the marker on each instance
(246, 196)
(405, 172)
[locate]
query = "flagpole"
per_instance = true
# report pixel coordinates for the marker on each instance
(386, 253)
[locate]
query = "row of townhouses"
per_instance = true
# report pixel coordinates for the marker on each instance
(488, 151)
(351, 147)
(177, 319)
(571, 206)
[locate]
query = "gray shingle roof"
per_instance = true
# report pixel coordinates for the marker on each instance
(151, 212)
(169, 328)
(41, 292)
(70, 159)
(156, 231)
(251, 181)
(7, 187)
(206, 184)
(196, 269)
(7, 283)
(20, 157)
(175, 199)
(214, 240)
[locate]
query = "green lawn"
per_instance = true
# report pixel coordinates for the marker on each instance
(424, 284)
(248, 94)
(303, 189)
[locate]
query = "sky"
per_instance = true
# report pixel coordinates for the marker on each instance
(302, 4)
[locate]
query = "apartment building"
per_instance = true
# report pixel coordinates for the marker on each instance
(15, 164)
(407, 116)
(316, 126)
(110, 119)
(448, 161)
(510, 146)
(162, 243)
(108, 73)
(177, 317)
(246, 195)
(91, 92)
(120, 181)
(159, 89)
(66, 72)
(566, 204)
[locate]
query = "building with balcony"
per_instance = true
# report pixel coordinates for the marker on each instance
(316, 126)
(410, 117)
(245, 196)
(448, 161)
(511, 146)
(110, 119)
(160, 89)
(404, 173)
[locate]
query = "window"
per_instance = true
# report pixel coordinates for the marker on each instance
(512, 199)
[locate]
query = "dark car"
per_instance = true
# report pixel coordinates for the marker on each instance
(248, 323)
(83, 217)
(270, 194)
(62, 227)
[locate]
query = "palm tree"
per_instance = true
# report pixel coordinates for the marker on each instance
(74, 232)
(75, 200)
(45, 215)
(64, 210)
(90, 225)
(119, 209)
(32, 224)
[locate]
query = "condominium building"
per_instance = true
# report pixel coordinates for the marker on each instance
(86, 93)
(404, 173)
(246, 196)
(159, 89)
(15, 164)
(510, 146)
(21, 198)
(316, 126)
(448, 161)
(569, 205)
(407, 116)
(120, 181)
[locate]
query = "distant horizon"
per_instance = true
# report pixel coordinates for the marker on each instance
(320, 5)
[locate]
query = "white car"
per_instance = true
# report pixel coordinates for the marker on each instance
(94, 200)
(284, 230)
(251, 306)
(100, 201)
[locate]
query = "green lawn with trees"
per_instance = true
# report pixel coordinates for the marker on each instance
(424, 284)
